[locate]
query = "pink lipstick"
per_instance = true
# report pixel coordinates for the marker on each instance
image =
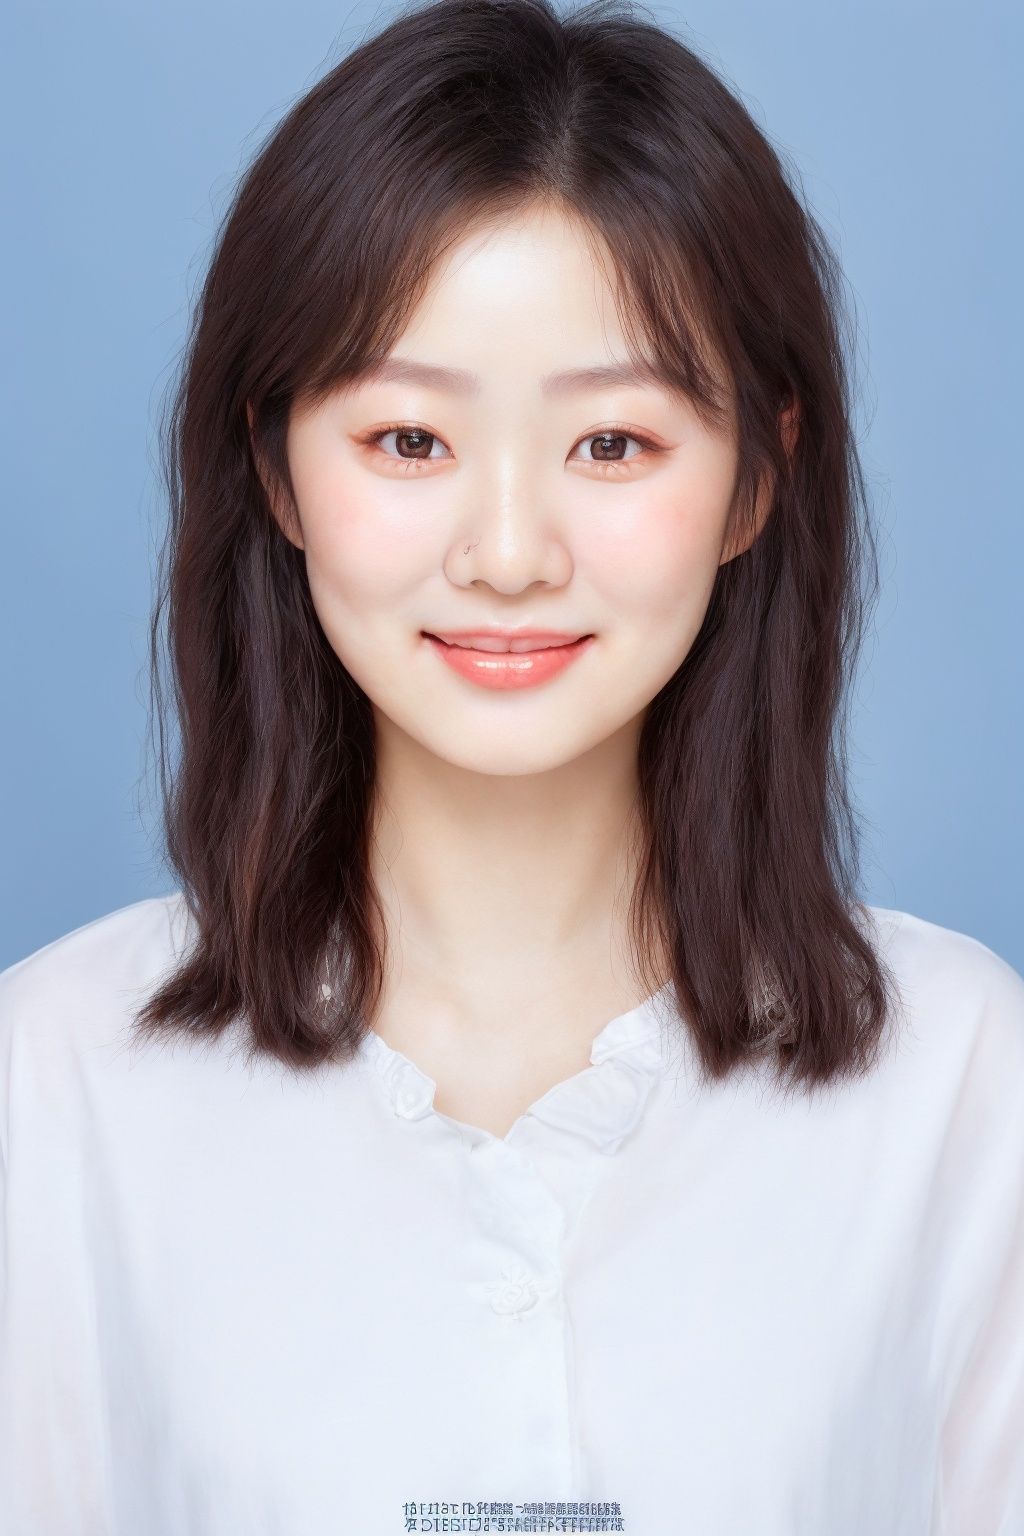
(506, 658)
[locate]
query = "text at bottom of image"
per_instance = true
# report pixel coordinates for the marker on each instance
(498, 1515)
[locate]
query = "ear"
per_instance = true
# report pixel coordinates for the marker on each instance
(285, 518)
(789, 427)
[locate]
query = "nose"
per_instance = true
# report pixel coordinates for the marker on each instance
(509, 534)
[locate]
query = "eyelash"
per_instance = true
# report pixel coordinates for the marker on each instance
(413, 465)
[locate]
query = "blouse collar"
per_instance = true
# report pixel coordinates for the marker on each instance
(603, 1104)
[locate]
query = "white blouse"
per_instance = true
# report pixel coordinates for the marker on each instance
(240, 1302)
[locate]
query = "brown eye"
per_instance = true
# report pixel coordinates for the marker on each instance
(416, 442)
(610, 447)
(414, 446)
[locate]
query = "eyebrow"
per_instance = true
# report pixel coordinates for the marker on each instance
(458, 381)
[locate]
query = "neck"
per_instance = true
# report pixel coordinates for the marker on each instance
(506, 888)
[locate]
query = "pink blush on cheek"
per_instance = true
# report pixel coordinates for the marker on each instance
(369, 547)
(660, 556)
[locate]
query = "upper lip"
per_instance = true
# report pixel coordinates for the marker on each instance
(497, 638)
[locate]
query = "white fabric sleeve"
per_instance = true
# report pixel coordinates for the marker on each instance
(53, 1447)
(980, 1488)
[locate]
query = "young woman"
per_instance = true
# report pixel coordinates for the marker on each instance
(513, 1120)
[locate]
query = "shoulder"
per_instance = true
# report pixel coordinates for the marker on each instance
(962, 1004)
(95, 972)
(66, 1010)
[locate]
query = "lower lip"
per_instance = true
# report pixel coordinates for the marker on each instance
(509, 669)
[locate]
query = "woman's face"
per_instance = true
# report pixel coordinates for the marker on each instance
(474, 487)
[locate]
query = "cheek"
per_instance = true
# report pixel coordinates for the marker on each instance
(360, 553)
(360, 570)
(365, 541)
(658, 556)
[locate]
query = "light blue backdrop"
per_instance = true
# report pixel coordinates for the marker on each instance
(126, 127)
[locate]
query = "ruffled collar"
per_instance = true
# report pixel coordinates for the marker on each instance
(603, 1104)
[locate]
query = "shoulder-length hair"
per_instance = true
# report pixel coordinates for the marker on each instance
(456, 113)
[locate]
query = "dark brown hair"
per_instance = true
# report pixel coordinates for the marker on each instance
(457, 113)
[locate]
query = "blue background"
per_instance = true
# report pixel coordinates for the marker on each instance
(126, 128)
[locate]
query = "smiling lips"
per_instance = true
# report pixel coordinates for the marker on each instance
(496, 658)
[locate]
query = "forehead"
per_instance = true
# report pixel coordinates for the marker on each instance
(531, 299)
(537, 275)
(530, 288)
(534, 243)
